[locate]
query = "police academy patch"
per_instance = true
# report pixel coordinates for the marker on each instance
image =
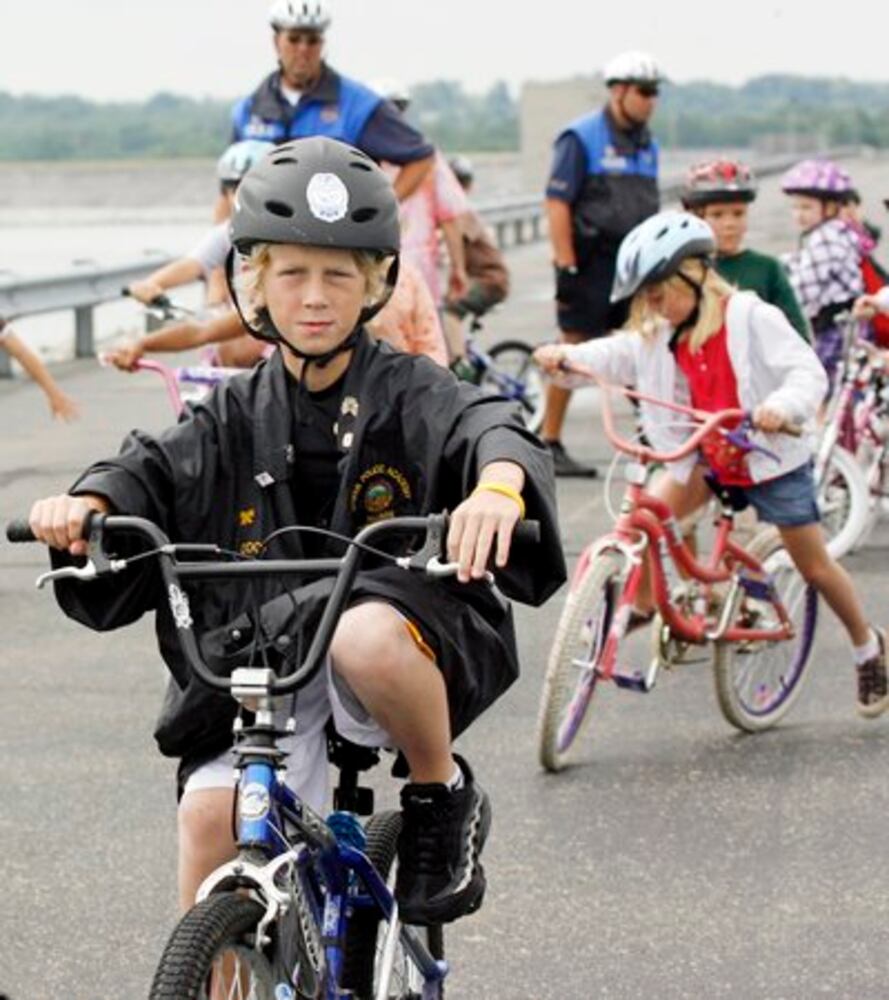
(381, 489)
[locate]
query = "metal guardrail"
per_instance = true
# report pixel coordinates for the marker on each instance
(514, 220)
(81, 289)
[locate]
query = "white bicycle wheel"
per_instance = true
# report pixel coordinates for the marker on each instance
(843, 502)
(571, 679)
(871, 460)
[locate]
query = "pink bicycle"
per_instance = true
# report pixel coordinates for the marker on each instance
(749, 605)
(186, 383)
(853, 454)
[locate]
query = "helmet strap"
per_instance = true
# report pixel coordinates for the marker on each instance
(691, 319)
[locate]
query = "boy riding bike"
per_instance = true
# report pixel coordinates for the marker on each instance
(692, 338)
(332, 432)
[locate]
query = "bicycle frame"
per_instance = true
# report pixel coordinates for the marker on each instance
(509, 386)
(646, 525)
(335, 878)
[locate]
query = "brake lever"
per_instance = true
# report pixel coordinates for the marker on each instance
(739, 438)
(436, 568)
(98, 564)
(87, 572)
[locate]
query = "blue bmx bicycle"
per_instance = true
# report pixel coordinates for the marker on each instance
(306, 910)
(506, 369)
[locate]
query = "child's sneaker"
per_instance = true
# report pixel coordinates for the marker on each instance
(440, 877)
(873, 689)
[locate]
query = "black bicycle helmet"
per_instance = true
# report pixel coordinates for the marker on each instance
(317, 192)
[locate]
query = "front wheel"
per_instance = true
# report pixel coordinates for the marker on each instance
(364, 941)
(515, 376)
(571, 676)
(758, 682)
(212, 953)
(843, 502)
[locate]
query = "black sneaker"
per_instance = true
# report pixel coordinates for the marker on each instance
(873, 689)
(440, 877)
(565, 465)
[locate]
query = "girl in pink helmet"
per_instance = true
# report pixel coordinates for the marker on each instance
(825, 269)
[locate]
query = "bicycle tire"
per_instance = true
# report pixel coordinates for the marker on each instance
(843, 500)
(363, 933)
(224, 923)
(533, 400)
(754, 688)
(583, 624)
(871, 461)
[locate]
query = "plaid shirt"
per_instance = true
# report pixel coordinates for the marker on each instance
(826, 270)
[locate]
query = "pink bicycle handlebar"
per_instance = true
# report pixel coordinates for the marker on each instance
(169, 377)
(709, 422)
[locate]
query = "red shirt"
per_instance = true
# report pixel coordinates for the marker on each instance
(714, 387)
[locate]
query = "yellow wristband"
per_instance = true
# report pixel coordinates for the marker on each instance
(506, 491)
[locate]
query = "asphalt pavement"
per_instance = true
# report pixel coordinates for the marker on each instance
(676, 859)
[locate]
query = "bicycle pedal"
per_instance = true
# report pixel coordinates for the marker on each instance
(638, 681)
(759, 590)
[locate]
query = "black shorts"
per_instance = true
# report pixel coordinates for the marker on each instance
(592, 314)
(469, 628)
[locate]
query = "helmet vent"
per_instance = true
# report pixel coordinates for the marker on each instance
(279, 208)
(364, 214)
(361, 166)
(285, 159)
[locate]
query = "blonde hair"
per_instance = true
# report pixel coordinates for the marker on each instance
(250, 277)
(711, 309)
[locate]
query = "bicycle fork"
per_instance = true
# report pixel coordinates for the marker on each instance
(606, 668)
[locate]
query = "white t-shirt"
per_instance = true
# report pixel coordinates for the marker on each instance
(212, 250)
(290, 95)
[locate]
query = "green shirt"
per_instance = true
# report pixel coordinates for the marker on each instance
(764, 275)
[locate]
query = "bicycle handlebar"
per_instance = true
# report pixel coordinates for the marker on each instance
(162, 305)
(174, 572)
(709, 422)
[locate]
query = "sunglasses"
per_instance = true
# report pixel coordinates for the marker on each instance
(646, 90)
(302, 38)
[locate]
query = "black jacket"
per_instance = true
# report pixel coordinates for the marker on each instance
(412, 437)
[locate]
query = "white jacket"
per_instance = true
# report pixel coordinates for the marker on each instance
(772, 365)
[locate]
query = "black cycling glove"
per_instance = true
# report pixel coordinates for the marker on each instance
(568, 285)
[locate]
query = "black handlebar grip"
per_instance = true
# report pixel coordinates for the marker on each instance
(19, 531)
(527, 531)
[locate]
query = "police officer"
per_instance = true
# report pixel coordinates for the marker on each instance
(602, 183)
(306, 97)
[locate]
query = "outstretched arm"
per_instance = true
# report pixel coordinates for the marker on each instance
(178, 272)
(62, 406)
(178, 337)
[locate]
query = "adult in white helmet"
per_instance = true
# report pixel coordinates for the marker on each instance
(305, 96)
(602, 183)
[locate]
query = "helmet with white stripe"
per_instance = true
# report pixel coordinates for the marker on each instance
(633, 67)
(299, 15)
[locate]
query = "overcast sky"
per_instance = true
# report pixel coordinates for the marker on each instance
(130, 49)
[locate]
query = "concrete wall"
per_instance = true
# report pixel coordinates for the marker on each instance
(545, 109)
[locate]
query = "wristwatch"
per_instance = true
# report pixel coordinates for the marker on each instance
(567, 269)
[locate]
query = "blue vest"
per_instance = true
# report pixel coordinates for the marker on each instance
(605, 156)
(620, 188)
(265, 115)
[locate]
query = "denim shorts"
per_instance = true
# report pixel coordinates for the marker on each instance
(787, 501)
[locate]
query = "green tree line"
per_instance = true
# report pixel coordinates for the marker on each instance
(694, 115)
